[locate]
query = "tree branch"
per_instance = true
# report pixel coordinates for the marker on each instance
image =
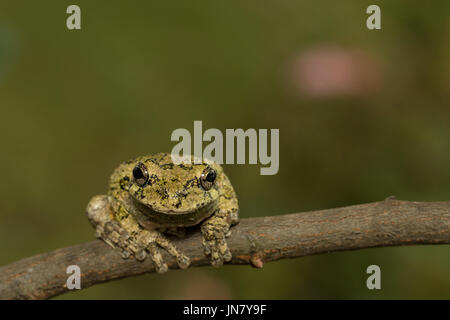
(253, 241)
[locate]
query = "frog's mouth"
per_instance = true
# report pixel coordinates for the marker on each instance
(147, 214)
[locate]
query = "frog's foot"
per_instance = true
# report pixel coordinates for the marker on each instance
(138, 244)
(150, 241)
(214, 233)
(145, 242)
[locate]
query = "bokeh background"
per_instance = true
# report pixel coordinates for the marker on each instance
(362, 115)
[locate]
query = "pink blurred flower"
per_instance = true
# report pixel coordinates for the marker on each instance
(335, 71)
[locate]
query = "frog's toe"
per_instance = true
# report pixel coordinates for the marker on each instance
(227, 256)
(219, 251)
(140, 255)
(182, 260)
(155, 255)
(162, 269)
(216, 260)
(125, 254)
(224, 251)
(206, 247)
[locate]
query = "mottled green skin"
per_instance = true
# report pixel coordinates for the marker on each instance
(173, 198)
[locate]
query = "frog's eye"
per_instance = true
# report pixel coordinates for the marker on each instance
(140, 174)
(207, 178)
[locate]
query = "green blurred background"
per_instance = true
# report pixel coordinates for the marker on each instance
(362, 115)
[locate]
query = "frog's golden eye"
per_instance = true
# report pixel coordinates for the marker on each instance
(207, 178)
(140, 174)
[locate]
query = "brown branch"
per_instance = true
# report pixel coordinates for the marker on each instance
(256, 240)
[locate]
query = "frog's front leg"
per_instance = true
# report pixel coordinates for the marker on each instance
(215, 230)
(129, 237)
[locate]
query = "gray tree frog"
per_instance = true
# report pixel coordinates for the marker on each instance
(151, 195)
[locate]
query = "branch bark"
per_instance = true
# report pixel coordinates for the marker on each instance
(253, 241)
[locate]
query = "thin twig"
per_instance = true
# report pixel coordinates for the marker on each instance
(253, 241)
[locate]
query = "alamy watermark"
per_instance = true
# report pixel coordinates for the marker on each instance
(374, 280)
(235, 147)
(73, 22)
(74, 280)
(373, 22)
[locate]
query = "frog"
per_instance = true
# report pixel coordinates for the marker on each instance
(153, 196)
